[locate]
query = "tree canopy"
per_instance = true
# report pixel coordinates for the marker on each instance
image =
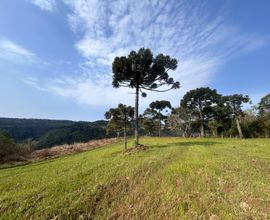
(157, 107)
(144, 71)
(201, 101)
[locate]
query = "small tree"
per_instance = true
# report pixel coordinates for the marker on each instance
(201, 101)
(142, 71)
(158, 107)
(235, 102)
(121, 116)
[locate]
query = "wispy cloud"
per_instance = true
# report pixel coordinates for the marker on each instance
(15, 53)
(34, 83)
(197, 35)
(48, 5)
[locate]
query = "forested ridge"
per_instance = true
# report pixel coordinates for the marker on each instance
(47, 133)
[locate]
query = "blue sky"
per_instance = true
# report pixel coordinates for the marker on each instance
(56, 55)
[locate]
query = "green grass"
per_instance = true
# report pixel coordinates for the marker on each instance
(174, 179)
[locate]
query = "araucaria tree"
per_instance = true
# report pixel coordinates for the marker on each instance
(121, 116)
(235, 102)
(159, 106)
(142, 71)
(201, 102)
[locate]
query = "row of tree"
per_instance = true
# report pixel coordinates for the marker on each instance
(202, 112)
(205, 109)
(200, 109)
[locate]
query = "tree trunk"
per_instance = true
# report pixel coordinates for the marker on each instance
(125, 135)
(185, 132)
(136, 132)
(239, 127)
(159, 123)
(202, 127)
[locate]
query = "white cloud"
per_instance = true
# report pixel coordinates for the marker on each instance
(48, 5)
(13, 52)
(200, 38)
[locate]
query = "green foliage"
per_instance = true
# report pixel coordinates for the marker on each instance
(266, 125)
(214, 125)
(23, 129)
(10, 151)
(150, 126)
(222, 117)
(7, 146)
(153, 116)
(120, 119)
(235, 103)
(144, 71)
(48, 133)
(175, 178)
(160, 105)
(264, 105)
(200, 102)
(120, 116)
(78, 132)
(150, 122)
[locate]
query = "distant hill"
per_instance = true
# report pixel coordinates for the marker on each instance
(77, 132)
(47, 133)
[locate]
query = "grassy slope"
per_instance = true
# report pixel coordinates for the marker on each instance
(187, 178)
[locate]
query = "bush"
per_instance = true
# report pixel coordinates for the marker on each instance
(10, 151)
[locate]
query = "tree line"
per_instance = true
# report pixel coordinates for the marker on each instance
(204, 113)
(201, 112)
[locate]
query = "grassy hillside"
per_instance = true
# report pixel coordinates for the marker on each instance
(174, 179)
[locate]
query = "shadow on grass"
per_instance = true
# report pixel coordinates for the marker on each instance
(187, 144)
(202, 143)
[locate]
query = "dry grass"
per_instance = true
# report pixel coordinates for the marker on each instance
(71, 149)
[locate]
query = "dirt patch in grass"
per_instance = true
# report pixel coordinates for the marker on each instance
(136, 149)
(71, 149)
(259, 205)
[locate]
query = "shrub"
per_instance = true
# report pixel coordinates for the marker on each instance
(10, 151)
